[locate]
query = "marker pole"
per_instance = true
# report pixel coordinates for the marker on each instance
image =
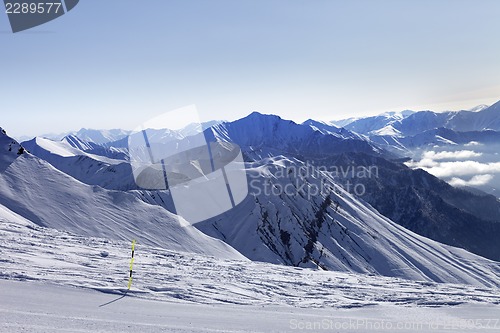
(131, 265)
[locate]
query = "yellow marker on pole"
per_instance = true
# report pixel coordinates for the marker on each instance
(131, 266)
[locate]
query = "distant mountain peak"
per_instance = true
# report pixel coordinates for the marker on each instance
(398, 114)
(318, 122)
(495, 106)
(478, 108)
(258, 115)
(101, 136)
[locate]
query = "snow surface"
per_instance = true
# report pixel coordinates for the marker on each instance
(36, 308)
(57, 281)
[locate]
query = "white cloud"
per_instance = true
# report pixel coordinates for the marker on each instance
(424, 163)
(450, 155)
(462, 168)
(477, 180)
(473, 143)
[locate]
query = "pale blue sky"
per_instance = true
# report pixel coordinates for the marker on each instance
(116, 63)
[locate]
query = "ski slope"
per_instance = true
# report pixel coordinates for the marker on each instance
(56, 281)
(51, 308)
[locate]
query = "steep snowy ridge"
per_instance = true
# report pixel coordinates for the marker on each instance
(425, 204)
(78, 143)
(88, 168)
(48, 197)
(335, 231)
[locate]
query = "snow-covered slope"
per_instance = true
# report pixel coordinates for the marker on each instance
(38, 307)
(54, 281)
(48, 197)
(45, 148)
(47, 256)
(294, 225)
(425, 204)
(88, 168)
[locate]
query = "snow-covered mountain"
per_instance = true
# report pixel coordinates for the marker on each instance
(262, 136)
(34, 189)
(101, 136)
(88, 168)
(425, 204)
(410, 123)
(411, 198)
(330, 230)
(87, 134)
(412, 135)
(375, 124)
(462, 121)
(294, 225)
(333, 230)
(405, 145)
(478, 108)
